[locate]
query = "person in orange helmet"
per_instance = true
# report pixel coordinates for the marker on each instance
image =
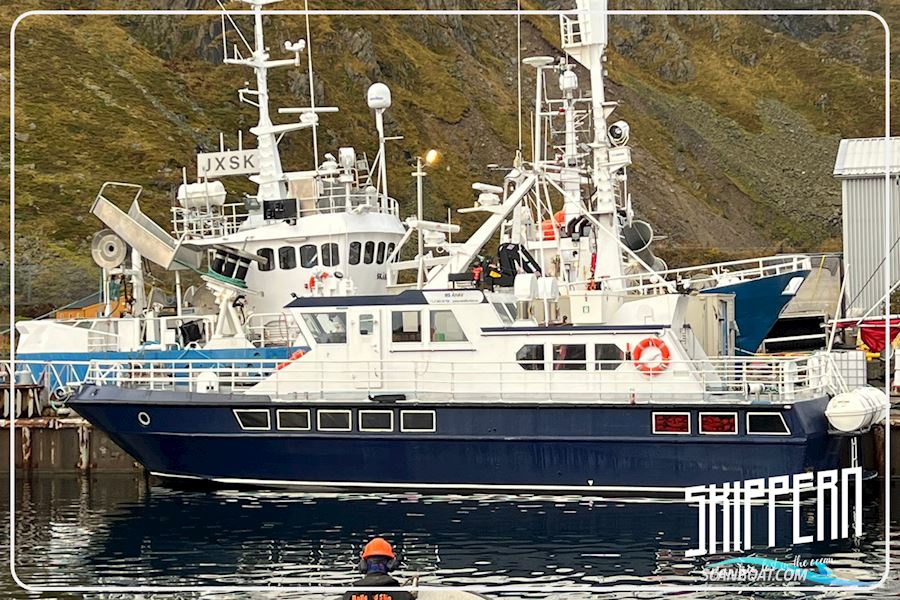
(375, 562)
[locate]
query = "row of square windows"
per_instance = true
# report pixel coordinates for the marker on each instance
(423, 421)
(336, 420)
(758, 423)
(329, 254)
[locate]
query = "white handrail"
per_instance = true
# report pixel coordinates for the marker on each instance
(769, 379)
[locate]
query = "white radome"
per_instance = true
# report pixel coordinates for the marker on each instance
(379, 96)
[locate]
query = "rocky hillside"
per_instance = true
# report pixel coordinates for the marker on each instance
(735, 120)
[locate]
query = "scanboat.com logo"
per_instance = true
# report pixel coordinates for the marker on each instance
(755, 569)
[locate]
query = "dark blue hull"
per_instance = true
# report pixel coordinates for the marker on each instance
(757, 305)
(474, 446)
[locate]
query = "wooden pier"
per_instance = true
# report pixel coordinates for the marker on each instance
(50, 436)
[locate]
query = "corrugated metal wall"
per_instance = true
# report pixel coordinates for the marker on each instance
(863, 220)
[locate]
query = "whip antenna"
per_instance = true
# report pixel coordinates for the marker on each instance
(312, 87)
(519, 64)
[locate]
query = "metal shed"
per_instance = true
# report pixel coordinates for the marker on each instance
(860, 166)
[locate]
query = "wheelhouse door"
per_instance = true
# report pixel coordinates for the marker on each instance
(365, 351)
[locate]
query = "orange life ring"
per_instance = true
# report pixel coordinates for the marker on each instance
(294, 356)
(664, 352)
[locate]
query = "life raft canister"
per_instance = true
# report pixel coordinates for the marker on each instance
(651, 368)
(294, 356)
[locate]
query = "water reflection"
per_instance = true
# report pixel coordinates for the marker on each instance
(114, 530)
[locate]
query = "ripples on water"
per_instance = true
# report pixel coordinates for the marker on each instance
(114, 530)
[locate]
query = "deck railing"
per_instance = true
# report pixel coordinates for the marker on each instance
(756, 379)
(713, 275)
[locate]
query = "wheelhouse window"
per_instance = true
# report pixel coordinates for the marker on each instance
(292, 419)
(376, 420)
(380, 255)
(355, 251)
(327, 328)
(671, 423)
(503, 313)
(269, 255)
(333, 420)
(287, 258)
(309, 256)
(569, 357)
(609, 357)
(417, 420)
(330, 255)
(531, 357)
(366, 325)
(369, 255)
(762, 423)
(406, 326)
(445, 327)
(253, 419)
(390, 249)
(718, 423)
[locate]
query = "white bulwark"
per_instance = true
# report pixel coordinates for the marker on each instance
(860, 166)
(212, 165)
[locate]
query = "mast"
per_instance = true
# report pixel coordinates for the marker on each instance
(584, 39)
(270, 180)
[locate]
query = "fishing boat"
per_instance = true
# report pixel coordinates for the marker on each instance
(324, 230)
(509, 374)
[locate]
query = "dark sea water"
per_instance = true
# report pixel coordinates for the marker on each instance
(118, 530)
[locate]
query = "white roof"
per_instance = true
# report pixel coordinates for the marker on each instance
(864, 157)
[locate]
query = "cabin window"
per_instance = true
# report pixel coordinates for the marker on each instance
(417, 420)
(503, 313)
(308, 256)
(376, 420)
(292, 420)
(531, 357)
(390, 249)
(569, 357)
(380, 257)
(406, 326)
(330, 255)
(366, 325)
(287, 258)
(604, 353)
(671, 423)
(718, 423)
(256, 419)
(333, 420)
(355, 251)
(760, 423)
(445, 327)
(327, 328)
(269, 259)
(370, 253)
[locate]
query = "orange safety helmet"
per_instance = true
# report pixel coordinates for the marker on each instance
(378, 547)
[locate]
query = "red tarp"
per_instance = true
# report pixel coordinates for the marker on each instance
(871, 331)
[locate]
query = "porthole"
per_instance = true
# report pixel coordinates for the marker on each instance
(143, 418)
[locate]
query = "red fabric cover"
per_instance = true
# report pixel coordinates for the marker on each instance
(872, 333)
